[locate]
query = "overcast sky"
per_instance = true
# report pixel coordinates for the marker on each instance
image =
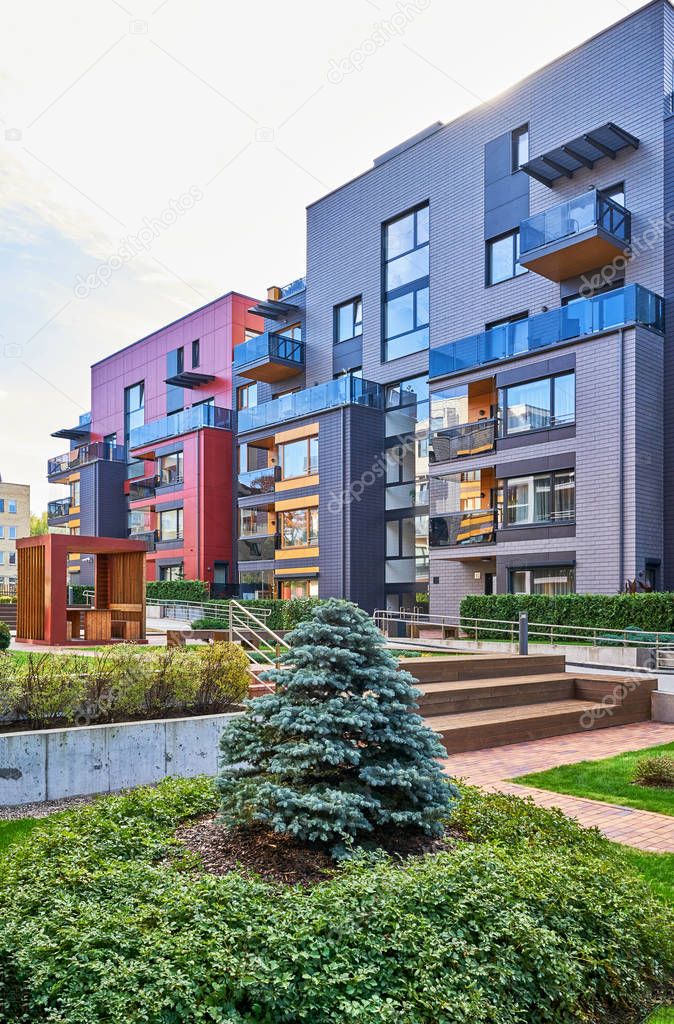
(232, 116)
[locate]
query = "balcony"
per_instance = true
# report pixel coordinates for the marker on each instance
(463, 528)
(85, 454)
(149, 536)
(257, 548)
(270, 357)
(574, 237)
(346, 390)
(607, 311)
(59, 509)
(139, 490)
(258, 481)
(183, 422)
(464, 439)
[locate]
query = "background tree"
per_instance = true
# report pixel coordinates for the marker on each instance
(38, 524)
(338, 750)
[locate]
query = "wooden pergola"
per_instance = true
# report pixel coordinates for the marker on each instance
(118, 610)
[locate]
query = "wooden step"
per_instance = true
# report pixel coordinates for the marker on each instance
(498, 726)
(482, 694)
(480, 666)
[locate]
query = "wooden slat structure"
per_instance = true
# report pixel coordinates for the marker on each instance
(118, 611)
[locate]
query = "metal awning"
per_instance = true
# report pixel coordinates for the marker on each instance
(585, 151)
(190, 379)
(273, 309)
(81, 432)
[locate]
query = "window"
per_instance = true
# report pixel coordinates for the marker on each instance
(2, 557)
(11, 507)
(195, 354)
(2, 533)
(75, 494)
(172, 572)
(134, 408)
(502, 256)
(297, 588)
(549, 580)
(256, 583)
(299, 528)
(12, 558)
(519, 147)
(246, 396)
(294, 332)
(349, 320)
(171, 524)
(138, 521)
(255, 522)
(12, 533)
(170, 469)
(615, 192)
(249, 333)
(538, 404)
(299, 458)
(406, 283)
(2, 504)
(543, 498)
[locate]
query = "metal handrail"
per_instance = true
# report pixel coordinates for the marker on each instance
(211, 609)
(553, 633)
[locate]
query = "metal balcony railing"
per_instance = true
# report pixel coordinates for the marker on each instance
(458, 528)
(464, 439)
(86, 453)
(574, 217)
(58, 509)
(604, 312)
(183, 422)
(269, 345)
(345, 390)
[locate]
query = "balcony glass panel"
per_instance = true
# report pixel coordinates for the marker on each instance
(346, 390)
(86, 453)
(140, 489)
(581, 318)
(584, 212)
(183, 422)
(269, 345)
(465, 439)
(59, 508)
(257, 549)
(258, 481)
(462, 528)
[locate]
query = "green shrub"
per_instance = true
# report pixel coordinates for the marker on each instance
(48, 689)
(654, 771)
(98, 926)
(208, 623)
(7, 599)
(650, 612)
(177, 590)
(283, 614)
(5, 636)
(222, 677)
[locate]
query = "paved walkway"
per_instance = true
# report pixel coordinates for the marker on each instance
(490, 769)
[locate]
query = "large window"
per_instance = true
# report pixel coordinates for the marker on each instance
(246, 396)
(297, 588)
(502, 256)
(134, 408)
(349, 320)
(170, 469)
(171, 524)
(406, 283)
(256, 583)
(538, 404)
(11, 507)
(299, 458)
(75, 494)
(549, 580)
(543, 498)
(172, 572)
(299, 528)
(255, 522)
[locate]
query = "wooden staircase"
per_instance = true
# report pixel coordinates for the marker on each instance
(488, 700)
(8, 614)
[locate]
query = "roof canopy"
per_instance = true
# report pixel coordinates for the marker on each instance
(606, 141)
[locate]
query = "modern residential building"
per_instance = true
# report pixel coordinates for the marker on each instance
(14, 523)
(154, 459)
(467, 392)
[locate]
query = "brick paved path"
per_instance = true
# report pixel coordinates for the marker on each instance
(491, 768)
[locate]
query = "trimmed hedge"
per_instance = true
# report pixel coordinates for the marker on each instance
(105, 921)
(284, 614)
(5, 636)
(651, 612)
(177, 590)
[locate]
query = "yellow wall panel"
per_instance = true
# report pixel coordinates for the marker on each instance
(284, 553)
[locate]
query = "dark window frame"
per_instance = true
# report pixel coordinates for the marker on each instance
(518, 271)
(196, 353)
(516, 135)
(551, 520)
(418, 285)
(502, 404)
(356, 300)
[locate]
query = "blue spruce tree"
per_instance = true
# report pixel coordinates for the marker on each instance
(337, 750)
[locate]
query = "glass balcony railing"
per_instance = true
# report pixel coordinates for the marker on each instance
(257, 548)
(183, 422)
(464, 439)
(269, 345)
(148, 536)
(461, 528)
(582, 318)
(583, 213)
(141, 489)
(258, 481)
(86, 453)
(346, 390)
(58, 509)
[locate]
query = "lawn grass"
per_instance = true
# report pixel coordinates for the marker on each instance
(16, 830)
(663, 1016)
(655, 868)
(607, 780)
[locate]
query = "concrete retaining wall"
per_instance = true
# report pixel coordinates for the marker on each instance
(662, 706)
(575, 654)
(49, 764)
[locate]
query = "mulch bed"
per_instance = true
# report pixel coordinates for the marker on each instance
(277, 857)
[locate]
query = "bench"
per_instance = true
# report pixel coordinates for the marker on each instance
(179, 637)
